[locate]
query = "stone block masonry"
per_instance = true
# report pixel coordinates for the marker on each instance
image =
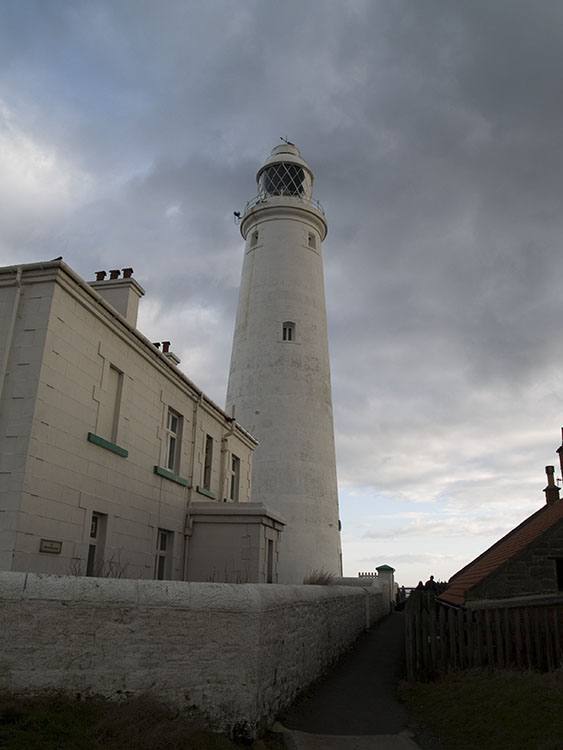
(235, 652)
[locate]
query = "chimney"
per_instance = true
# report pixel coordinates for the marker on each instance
(170, 355)
(552, 490)
(166, 351)
(123, 294)
(560, 451)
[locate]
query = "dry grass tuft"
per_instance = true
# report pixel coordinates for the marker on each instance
(318, 577)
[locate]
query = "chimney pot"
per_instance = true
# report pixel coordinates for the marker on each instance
(100, 275)
(114, 273)
(157, 344)
(551, 491)
(127, 273)
(165, 346)
(560, 451)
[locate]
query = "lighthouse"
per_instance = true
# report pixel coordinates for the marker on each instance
(279, 381)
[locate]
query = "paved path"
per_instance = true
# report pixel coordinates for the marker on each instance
(355, 707)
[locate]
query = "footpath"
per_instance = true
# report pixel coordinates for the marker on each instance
(355, 707)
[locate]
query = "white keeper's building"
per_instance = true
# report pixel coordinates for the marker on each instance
(112, 462)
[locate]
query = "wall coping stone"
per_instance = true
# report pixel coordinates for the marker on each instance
(233, 597)
(12, 584)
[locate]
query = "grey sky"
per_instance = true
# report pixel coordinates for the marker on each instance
(131, 130)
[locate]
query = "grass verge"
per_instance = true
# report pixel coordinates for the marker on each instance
(142, 723)
(489, 711)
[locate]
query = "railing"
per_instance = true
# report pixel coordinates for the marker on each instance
(440, 639)
(259, 200)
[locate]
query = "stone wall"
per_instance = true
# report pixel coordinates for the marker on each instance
(383, 582)
(530, 572)
(237, 653)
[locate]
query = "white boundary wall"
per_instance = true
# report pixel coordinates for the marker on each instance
(236, 652)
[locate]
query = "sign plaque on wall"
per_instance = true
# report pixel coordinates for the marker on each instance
(48, 545)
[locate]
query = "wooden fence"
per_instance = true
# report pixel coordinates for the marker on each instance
(440, 639)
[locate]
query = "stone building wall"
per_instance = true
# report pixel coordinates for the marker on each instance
(531, 572)
(237, 653)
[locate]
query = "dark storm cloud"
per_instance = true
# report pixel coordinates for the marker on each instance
(447, 264)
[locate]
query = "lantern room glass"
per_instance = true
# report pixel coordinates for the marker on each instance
(285, 179)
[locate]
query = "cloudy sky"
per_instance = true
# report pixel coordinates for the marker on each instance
(130, 130)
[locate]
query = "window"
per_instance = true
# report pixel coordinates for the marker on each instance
(94, 566)
(288, 331)
(254, 238)
(312, 240)
(282, 179)
(108, 415)
(163, 560)
(208, 461)
(173, 441)
(235, 477)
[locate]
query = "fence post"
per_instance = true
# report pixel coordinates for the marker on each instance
(527, 638)
(508, 657)
(537, 640)
(451, 638)
(517, 617)
(499, 641)
(479, 635)
(443, 639)
(409, 645)
(556, 636)
(489, 636)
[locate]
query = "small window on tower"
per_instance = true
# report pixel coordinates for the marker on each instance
(312, 240)
(254, 238)
(288, 331)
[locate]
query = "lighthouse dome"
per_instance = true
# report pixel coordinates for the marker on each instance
(285, 174)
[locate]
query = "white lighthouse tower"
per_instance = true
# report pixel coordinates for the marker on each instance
(279, 381)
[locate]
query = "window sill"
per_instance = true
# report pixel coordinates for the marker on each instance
(207, 493)
(97, 440)
(170, 475)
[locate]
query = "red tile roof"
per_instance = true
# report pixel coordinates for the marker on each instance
(526, 533)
